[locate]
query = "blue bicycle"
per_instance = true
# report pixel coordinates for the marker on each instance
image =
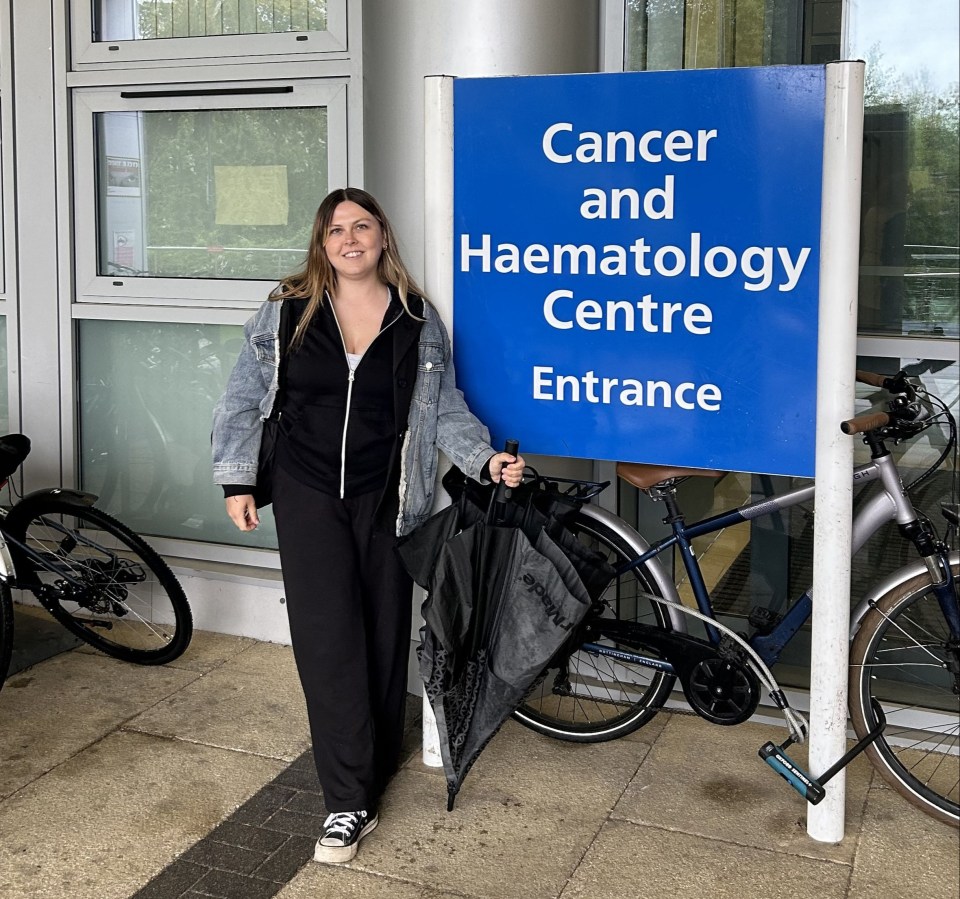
(622, 664)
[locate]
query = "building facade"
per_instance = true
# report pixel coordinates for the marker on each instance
(162, 161)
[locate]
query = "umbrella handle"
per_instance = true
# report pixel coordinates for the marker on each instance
(503, 492)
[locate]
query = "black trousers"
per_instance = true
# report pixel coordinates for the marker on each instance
(349, 604)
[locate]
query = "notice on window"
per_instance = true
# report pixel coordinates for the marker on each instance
(251, 194)
(123, 176)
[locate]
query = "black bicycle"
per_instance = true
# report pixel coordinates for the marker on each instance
(93, 574)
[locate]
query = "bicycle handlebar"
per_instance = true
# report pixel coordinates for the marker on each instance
(871, 378)
(904, 411)
(898, 383)
(863, 423)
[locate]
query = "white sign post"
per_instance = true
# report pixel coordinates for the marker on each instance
(438, 263)
(833, 498)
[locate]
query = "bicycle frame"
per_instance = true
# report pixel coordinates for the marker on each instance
(24, 508)
(892, 503)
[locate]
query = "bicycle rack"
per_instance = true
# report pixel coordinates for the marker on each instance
(811, 788)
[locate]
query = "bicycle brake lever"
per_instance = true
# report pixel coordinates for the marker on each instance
(900, 384)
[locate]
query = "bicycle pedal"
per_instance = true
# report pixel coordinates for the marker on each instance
(763, 620)
(792, 773)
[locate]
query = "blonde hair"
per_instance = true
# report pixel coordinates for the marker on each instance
(318, 277)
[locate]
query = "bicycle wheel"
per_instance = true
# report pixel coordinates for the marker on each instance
(119, 595)
(6, 631)
(589, 698)
(899, 658)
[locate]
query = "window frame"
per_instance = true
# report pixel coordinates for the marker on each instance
(4, 131)
(8, 281)
(87, 51)
(91, 287)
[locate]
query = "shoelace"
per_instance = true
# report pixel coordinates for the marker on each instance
(342, 823)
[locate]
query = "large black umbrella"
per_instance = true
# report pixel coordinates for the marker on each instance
(502, 598)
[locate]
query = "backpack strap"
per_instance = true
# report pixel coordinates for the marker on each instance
(288, 324)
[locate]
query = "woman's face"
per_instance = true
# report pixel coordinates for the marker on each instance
(353, 242)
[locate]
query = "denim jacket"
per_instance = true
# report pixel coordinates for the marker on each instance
(438, 417)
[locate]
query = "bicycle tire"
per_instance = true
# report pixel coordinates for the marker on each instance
(131, 605)
(900, 648)
(6, 631)
(598, 698)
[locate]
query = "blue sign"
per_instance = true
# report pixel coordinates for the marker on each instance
(637, 263)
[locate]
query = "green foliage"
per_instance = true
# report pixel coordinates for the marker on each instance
(157, 19)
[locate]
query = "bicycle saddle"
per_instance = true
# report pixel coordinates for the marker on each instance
(14, 448)
(644, 476)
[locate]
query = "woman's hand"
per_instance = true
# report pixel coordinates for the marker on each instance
(243, 512)
(508, 467)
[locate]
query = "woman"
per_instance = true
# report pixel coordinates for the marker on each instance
(367, 397)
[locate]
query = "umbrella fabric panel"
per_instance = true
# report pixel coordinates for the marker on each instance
(451, 591)
(536, 505)
(488, 695)
(541, 606)
(419, 549)
(492, 588)
(471, 567)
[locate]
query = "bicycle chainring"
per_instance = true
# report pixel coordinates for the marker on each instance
(722, 690)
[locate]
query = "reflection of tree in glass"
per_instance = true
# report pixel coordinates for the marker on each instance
(182, 152)
(932, 214)
(697, 34)
(148, 392)
(165, 19)
(147, 397)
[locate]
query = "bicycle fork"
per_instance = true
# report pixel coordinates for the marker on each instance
(7, 569)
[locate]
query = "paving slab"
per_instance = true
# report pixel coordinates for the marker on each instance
(708, 780)
(133, 803)
(642, 862)
(527, 812)
(37, 636)
(903, 853)
(252, 703)
(336, 882)
(53, 710)
(208, 650)
(265, 660)
(552, 773)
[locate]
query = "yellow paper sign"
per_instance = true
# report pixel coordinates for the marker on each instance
(251, 194)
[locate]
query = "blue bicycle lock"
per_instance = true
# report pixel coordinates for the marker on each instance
(806, 785)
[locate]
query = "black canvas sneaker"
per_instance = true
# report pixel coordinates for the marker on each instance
(342, 833)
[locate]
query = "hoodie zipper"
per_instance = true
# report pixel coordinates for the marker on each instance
(350, 379)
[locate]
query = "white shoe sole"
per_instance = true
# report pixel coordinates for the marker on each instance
(337, 855)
